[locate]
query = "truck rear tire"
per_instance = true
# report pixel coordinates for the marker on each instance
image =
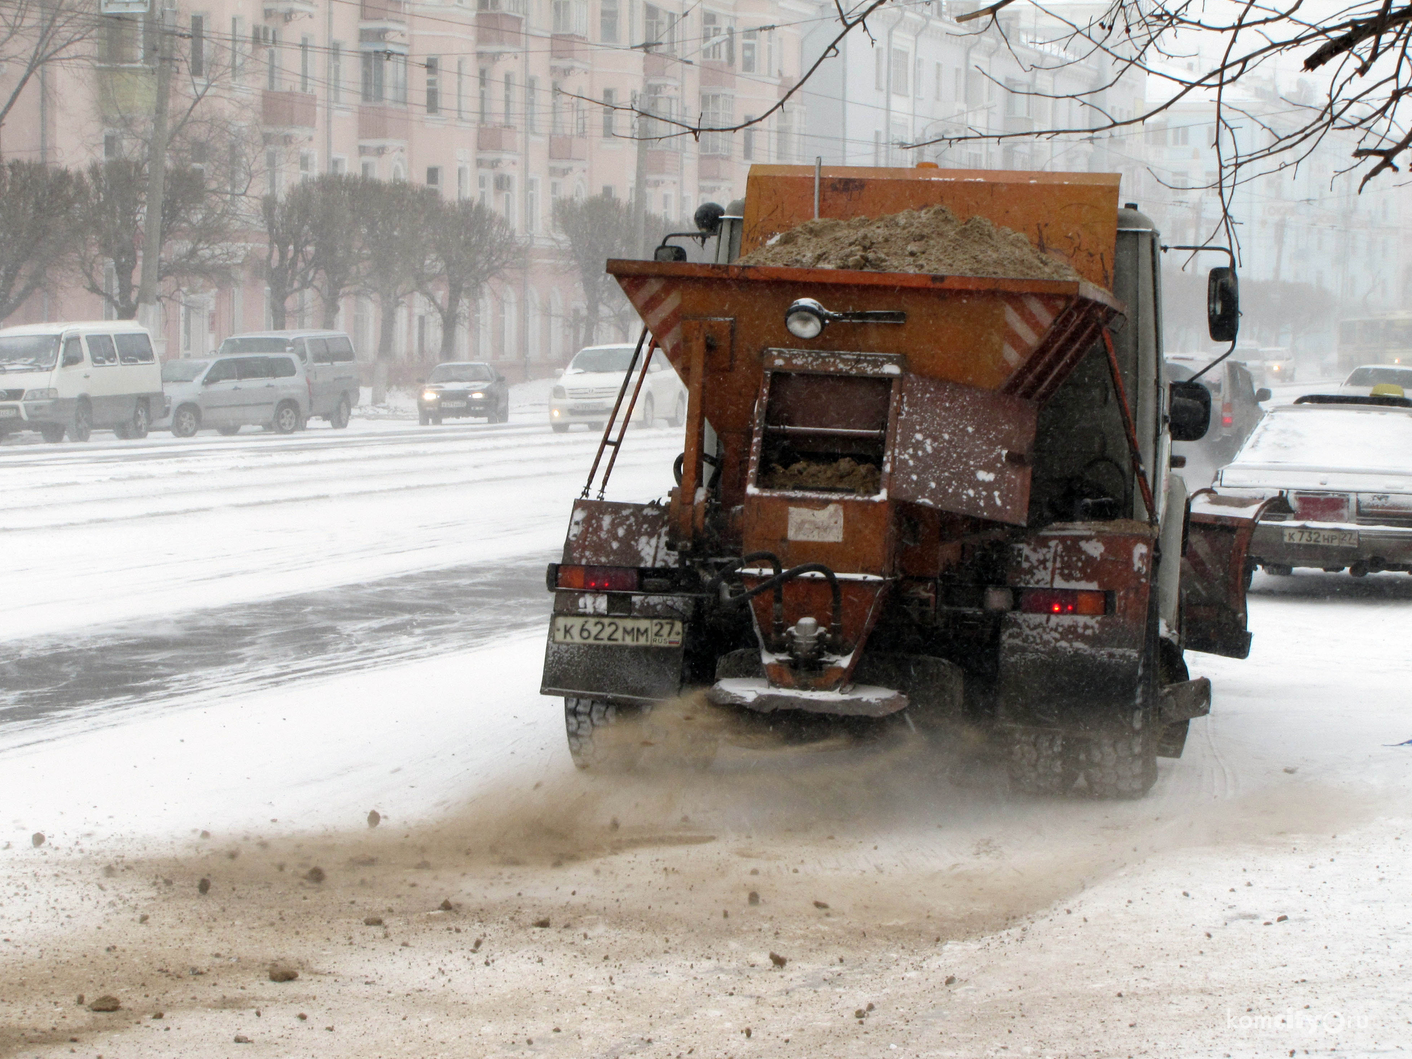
(1039, 762)
(1120, 764)
(588, 723)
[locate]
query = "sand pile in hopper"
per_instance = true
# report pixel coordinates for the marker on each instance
(932, 240)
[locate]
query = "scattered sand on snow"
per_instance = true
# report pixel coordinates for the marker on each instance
(932, 240)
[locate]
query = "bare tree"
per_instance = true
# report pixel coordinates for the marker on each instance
(470, 245)
(290, 267)
(34, 33)
(337, 237)
(396, 226)
(38, 233)
(197, 230)
(594, 230)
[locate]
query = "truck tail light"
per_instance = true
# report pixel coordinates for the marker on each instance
(1085, 601)
(1227, 414)
(598, 578)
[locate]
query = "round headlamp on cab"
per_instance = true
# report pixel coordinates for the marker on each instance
(806, 318)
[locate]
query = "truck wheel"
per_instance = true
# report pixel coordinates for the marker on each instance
(1040, 762)
(341, 414)
(1121, 764)
(1277, 569)
(595, 739)
(52, 432)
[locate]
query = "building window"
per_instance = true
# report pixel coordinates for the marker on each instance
(532, 205)
(272, 63)
(237, 45)
(917, 77)
(580, 119)
(484, 115)
(434, 178)
(483, 181)
(370, 169)
(306, 61)
(660, 28)
(716, 110)
(900, 65)
(338, 165)
(609, 193)
(784, 138)
(433, 85)
(717, 38)
(397, 81)
(531, 104)
(608, 21)
(460, 89)
(374, 73)
(307, 165)
(335, 73)
(571, 17)
(610, 98)
(508, 110)
(463, 182)
(112, 145)
(556, 111)
(274, 178)
(749, 50)
(198, 45)
(747, 139)
(879, 70)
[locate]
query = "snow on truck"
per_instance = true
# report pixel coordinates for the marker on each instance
(944, 494)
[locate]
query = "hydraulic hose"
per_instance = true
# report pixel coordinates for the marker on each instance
(776, 584)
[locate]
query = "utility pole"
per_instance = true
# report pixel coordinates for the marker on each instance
(639, 191)
(156, 173)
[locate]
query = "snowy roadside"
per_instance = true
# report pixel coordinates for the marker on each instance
(399, 403)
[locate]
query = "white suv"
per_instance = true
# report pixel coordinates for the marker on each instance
(267, 389)
(589, 385)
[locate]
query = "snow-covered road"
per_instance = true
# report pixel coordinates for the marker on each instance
(266, 637)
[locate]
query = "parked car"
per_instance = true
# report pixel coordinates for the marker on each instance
(464, 388)
(328, 360)
(76, 378)
(1235, 409)
(590, 384)
(1343, 466)
(1361, 380)
(229, 392)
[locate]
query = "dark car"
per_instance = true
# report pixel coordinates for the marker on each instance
(1235, 411)
(464, 388)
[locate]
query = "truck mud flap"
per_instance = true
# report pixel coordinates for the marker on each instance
(636, 675)
(1219, 529)
(1186, 700)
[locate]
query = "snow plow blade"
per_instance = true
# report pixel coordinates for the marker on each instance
(857, 700)
(1219, 531)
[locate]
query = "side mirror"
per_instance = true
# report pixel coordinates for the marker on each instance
(1222, 304)
(1262, 395)
(1188, 410)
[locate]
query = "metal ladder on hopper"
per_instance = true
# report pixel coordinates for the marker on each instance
(608, 440)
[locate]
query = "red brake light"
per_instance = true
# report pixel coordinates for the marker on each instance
(599, 578)
(1227, 414)
(1083, 601)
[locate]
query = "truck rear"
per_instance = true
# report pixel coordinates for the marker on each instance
(941, 497)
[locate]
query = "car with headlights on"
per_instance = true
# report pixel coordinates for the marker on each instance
(590, 384)
(460, 388)
(1342, 464)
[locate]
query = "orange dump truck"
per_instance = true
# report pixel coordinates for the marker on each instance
(944, 495)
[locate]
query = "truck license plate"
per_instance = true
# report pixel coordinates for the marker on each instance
(1328, 538)
(616, 632)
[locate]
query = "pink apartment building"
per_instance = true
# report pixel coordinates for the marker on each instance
(495, 99)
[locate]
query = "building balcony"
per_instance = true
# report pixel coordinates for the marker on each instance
(289, 110)
(714, 167)
(717, 75)
(495, 143)
(564, 148)
(663, 163)
(568, 52)
(498, 32)
(382, 11)
(288, 10)
(661, 69)
(379, 124)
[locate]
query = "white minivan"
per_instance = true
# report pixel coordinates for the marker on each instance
(75, 378)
